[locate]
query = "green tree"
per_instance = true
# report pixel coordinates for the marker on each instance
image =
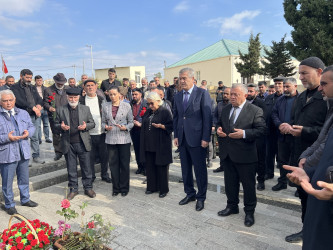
(159, 75)
(250, 61)
(277, 60)
(313, 28)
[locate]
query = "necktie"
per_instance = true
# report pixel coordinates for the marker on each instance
(185, 99)
(232, 119)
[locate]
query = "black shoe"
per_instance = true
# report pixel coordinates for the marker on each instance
(107, 179)
(30, 204)
(296, 193)
(90, 193)
(38, 160)
(138, 171)
(200, 205)
(48, 140)
(180, 180)
(11, 210)
(143, 172)
(279, 187)
(115, 193)
(148, 192)
(177, 150)
(295, 238)
(186, 200)
(162, 195)
(228, 211)
(57, 157)
(269, 176)
(261, 186)
(40, 142)
(124, 194)
(249, 220)
(219, 169)
(71, 195)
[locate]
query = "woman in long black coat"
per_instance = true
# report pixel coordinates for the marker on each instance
(156, 145)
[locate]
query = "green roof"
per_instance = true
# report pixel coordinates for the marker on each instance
(222, 48)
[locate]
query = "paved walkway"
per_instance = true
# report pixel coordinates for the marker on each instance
(149, 222)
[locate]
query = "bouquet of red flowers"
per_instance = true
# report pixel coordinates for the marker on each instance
(51, 100)
(21, 235)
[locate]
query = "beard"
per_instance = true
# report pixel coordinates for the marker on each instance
(250, 97)
(73, 104)
(62, 86)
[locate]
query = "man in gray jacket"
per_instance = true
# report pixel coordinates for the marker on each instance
(75, 121)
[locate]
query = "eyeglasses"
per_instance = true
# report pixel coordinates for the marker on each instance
(150, 103)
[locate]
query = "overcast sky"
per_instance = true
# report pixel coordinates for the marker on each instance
(49, 36)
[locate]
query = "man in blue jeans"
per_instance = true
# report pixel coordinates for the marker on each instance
(16, 127)
(39, 85)
(28, 99)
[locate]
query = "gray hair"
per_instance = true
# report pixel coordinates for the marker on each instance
(190, 72)
(84, 75)
(132, 81)
(155, 97)
(291, 80)
(252, 85)
(241, 86)
(6, 92)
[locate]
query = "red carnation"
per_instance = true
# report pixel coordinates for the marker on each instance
(65, 203)
(91, 224)
(53, 93)
(4, 238)
(20, 246)
(30, 236)
(18, 239)
(28, 247)
(34, 242)
(143, 111)
(24, 230)
(40, 245)
(13, 248)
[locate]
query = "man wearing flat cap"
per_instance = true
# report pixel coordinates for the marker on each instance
(74, 120)
(53, 98)
(308, 117)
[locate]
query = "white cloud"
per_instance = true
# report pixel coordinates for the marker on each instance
(15, 24)
(19, 7)
(234, 24)
(181, 7)
(9, 41)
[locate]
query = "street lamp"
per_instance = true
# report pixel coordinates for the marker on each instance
(92, 61)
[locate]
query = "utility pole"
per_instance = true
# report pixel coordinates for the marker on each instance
(92, 61)
(74, 66)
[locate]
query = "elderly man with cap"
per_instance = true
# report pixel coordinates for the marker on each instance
(272, 131)
(16, 127)
(75, 120)
(308, 117)
(53, 98)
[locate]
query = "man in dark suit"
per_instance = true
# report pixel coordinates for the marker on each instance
(53, 98)
(252, 97)
(75, 120)
(139, 107)
(192, 130)
(241, 123)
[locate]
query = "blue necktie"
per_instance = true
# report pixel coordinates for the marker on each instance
(185, 99)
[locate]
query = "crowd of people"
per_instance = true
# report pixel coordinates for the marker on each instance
(255, 127)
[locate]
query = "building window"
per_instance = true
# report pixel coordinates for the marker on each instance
(198, 76)
(137, 76)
